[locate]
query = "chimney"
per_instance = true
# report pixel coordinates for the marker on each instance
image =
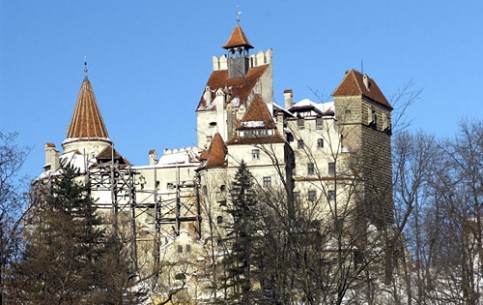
(280, 123)
(287, 97)
(207, 95)
(52, 162)
(152, 157)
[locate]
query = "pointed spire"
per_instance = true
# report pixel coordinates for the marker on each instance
(85, 67)
(86, 123)
(237, 39)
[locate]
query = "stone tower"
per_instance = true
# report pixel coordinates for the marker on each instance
(364, 121)
(236, 77)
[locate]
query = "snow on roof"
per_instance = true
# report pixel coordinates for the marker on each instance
(182, 157)
(253, 124)
(76, 160)
(235, 102)
(323, 107)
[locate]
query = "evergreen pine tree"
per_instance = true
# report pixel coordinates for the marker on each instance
(238, 262)
(69, 257)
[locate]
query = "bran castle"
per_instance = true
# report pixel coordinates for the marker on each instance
(325, 155)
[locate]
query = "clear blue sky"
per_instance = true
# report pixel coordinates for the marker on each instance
(149, 61)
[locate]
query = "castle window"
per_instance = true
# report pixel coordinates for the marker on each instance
(219, 219)
(188, 248)
(205, 190)
(331, 195)
(300, 144)
(320, 143)
(348, 113)
(319, 122)
(331, 168)
(300, 123)
(180, 249)
(255, 154)
(374, 118)
(209, 138)
(267, 181)
(310, 169)
(312, 196)
(222, 188)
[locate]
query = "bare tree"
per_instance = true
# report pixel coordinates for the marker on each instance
(12, 205)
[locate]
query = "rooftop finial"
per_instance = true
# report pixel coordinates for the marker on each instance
(85, 66)
(238, 13)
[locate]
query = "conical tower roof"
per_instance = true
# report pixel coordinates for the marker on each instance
(86, 123)
(237, 39)
(216, 153)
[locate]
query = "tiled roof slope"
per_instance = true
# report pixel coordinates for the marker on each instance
(257, 112)
(257, 117)
(353, 85)
(87, 121)
(106, 155)
(239, 87)
(237, 39)
(216, 153)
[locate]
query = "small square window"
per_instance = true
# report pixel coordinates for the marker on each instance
(188, 248)
(320, 143)
(180, 249)
(301, 124)
(310, 169)
(312, 196)
(255, 154)
(300, 144)
(319, 123)
(331, 168)
(209, 139)
(331, 195)
(267, 181)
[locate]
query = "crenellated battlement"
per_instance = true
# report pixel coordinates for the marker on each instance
(259, 59)
(180, 150)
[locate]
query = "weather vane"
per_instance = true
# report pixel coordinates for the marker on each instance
(238, 13)
(85, 66)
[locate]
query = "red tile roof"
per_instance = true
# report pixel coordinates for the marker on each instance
(236, 87)
(216, 153)
(257, 117)
(353, 85)
(106, 155)
(237, 39)
(87, 121)
(257, 112)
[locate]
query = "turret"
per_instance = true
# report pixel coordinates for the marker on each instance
(86, 132)
(238, 49)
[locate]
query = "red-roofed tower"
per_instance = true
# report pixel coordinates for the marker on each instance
(364, 119)
(87, 131)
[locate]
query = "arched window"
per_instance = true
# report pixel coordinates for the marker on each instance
(219, 219)
(320, 143)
